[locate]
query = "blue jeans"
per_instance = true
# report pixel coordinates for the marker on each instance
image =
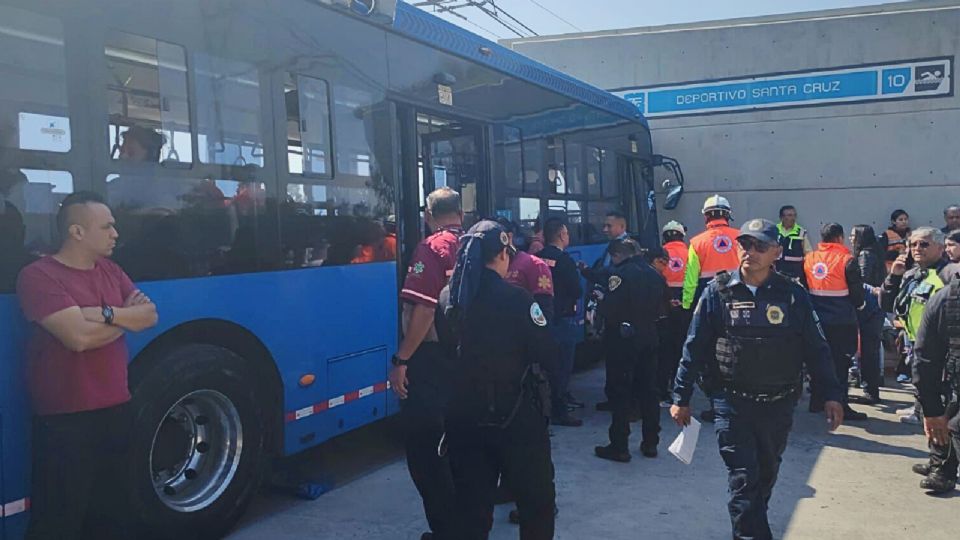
(752, 437)
(564, 331)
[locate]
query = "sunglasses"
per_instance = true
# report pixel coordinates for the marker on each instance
(922, 244)
(749, 243)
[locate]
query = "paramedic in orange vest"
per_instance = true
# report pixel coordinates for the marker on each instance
(711, 251)
(832, 276)
(672, 328)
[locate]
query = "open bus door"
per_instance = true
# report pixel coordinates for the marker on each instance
(438, 151)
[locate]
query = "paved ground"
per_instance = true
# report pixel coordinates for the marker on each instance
(855, 483)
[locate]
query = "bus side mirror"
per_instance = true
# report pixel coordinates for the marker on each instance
(673, 198)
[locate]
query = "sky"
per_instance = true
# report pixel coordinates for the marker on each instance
(590, 15)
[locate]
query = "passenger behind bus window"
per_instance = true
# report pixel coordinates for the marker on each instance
(896, 236)
(869, 256)
(14, 254)
(141, 144)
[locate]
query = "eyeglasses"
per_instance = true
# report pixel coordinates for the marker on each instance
(749, 243)
(922, 244)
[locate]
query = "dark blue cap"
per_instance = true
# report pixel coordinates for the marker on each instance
(493, 238)
(761, 229)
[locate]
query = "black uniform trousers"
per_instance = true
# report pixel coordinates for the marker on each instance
(78, 476)
(673, 332)
(421, 416)
(870, 342)
(842, 339)
(752, 437)
(631, 374)
(944, 459)
(520, 455)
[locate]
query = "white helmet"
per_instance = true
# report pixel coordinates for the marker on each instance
(674, 226)
(716, 202)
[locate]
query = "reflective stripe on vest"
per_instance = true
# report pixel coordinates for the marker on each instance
(792, 242)
(716, 248)
(824, 269)
(677, 252)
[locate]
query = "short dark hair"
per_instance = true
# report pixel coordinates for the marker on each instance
(951, 207)
(954, 236)
(74, 199)
(655, 253)
(508, 226)
(552, 228)
(150, 140)
(617, 214)
(897, 213)
(443, 202)
(831, 232)
(672, 236)
(625, 246)
(786, 207)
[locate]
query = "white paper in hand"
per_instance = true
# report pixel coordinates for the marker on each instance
(686, 442)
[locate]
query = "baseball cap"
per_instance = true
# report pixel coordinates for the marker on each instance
(761, 229)
(493, 238)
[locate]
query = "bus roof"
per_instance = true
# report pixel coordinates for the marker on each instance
(424, 27)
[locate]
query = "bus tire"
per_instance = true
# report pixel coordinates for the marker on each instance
(198, 444)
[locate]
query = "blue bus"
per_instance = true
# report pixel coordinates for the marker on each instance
(267, 164)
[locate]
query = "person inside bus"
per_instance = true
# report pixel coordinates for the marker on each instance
(421, 374)
(896, 236)
(141, 144)
(81, 305)
(15, 254)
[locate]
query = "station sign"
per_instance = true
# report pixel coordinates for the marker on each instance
(914, 79)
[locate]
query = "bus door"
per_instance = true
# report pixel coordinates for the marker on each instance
(439, 151)
(636, 182)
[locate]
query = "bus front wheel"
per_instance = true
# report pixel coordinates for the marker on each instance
(198, 443)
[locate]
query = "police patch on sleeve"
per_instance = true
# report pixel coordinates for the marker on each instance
(536, 314)
(613, 283)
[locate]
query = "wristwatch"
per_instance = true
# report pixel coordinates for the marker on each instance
(107, 314)
(397, 361)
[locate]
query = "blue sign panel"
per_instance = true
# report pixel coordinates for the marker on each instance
(916, 79)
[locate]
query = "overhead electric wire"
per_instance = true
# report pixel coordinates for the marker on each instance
(550, 11)
(505, 12)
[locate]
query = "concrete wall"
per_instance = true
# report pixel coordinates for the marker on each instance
(847, 163)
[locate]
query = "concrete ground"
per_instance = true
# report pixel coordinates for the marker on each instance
(855, 483)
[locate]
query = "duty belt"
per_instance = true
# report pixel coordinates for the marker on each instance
(761, 397)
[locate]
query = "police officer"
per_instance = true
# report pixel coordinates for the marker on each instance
(563, 325)
(794, 241)
(421, 371)
(633, 303)
(937, 351)
(673, 328)
(497, 421)
(710, 252)
(752, 332)
(832, 277)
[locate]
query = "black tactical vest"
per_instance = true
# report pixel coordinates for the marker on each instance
(761, 351)
(952, 314)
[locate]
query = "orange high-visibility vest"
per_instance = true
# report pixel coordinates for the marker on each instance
(676, 267)
(824, 269)
(716, 248)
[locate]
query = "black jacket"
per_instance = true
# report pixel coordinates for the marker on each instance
(871, 267)
(636, 294)
(566, 280)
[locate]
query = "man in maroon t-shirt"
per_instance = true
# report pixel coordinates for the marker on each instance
(80, 304)
(421, 375)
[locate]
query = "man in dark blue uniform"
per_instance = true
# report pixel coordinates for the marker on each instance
(497, 418)
(563, 326)
(634, 301)
(752, 332)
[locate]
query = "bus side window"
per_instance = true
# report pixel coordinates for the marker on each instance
(35, 138)
(147, 100)
(228, 111)
(308, 125)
